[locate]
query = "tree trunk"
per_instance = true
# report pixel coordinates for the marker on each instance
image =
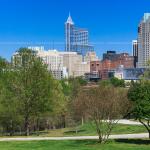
(100, 139)
(11, 128)
(63, 121)
(82, 121)
(37, 125)
(27, 132)
(147, 126)
(20, 130)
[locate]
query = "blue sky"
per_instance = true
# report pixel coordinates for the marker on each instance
(112, 23)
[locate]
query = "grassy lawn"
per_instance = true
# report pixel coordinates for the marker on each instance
(76, 145)
(88, 129)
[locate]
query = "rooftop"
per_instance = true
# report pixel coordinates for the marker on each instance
(146, 16)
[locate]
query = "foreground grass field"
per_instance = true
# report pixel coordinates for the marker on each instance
(76, 145)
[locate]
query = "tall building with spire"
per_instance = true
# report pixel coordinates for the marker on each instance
(76, 39)
(144, 41)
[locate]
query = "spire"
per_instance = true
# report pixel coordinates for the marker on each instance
(69, 20)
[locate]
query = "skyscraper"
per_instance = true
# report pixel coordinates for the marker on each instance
(144, 41)
(77, 39)
(135, 52)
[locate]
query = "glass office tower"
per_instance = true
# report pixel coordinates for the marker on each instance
(76, 38)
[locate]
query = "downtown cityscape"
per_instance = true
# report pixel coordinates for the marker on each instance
(74, 75)
(80, 59)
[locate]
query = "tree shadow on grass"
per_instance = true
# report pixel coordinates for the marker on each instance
(79, 143)
(134, 141)
(74, 131)
(86, 142)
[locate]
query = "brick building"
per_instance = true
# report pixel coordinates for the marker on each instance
(107, 65)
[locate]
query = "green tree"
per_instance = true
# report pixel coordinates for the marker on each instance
(139, 94)
(3, 63)
(36, 89)
(81, 81)
(9, 116)
(29, 94)
(66, 87)
(71, 88)
(105, 83)
(113, 82)
(117, 82)
(103, 105)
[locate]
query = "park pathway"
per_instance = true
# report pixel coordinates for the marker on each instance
(122, 136)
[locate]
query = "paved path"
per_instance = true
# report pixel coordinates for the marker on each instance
(128, 122)
(123, 136)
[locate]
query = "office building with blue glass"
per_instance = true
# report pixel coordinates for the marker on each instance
(76, 39)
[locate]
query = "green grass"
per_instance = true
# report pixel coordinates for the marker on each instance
(89, 129)
(76, 145)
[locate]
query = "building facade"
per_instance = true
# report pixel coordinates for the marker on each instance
(90, 56)
(76, 39)
(144, 41)
(74, 64)
(111, 61)
(135, 52)
(110, 55)
(95, 66)
(53, 61)
(129, 74)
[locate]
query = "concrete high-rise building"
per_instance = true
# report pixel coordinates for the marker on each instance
(53, 61)
(144, 41)
(135, 52)
(77, 39)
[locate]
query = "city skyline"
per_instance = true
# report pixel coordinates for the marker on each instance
(112, 24)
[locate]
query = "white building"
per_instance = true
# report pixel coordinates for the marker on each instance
(144, 41)
(54, 62)
(90, 56)
(62, 64)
